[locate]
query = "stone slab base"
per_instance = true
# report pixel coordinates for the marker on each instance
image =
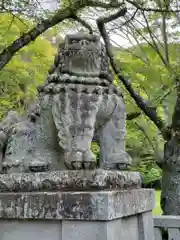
(86, 205)
(136, 227)
(78, 180)
(87, 215)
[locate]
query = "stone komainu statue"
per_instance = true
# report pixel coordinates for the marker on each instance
(77, 103)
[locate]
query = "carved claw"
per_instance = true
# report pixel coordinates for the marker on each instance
(5, 167)
(122, 166)
(74, 160)
(73, 165)
(68, 165)
(119, 161)
(77, 165)
(116, 166)
(89, 165)
(79, 160)
(89, 160)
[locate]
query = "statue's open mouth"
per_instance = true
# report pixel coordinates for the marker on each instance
(79, 61)
(82, 52)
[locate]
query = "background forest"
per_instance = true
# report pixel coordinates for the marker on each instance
(150, 59)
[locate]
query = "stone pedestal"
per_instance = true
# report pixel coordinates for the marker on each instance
(75, 205)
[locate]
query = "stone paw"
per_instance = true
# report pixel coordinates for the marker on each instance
(116, 166)
(123, 166)
(9, 166)
(119, 161)
(89, 160)
(74, 160)
(90, 165)
(79, 160)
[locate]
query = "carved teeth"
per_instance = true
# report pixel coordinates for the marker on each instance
(68, 165)
(89, 165)
(77, 165)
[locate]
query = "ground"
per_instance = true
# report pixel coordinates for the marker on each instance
(157, 209)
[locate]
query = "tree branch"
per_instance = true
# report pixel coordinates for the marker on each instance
(120, 13)
(157, 156)
(160, 10)
(142, 104)
(133, 115)
(26, 38)
(82, 22)
(128, 20)
(165, 37)
(59, 16)
(155, 46)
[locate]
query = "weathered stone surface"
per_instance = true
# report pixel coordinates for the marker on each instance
(127, 228)
(68, 180)
(77, 103)
(146, 226)
(91, 205)
(28, 230)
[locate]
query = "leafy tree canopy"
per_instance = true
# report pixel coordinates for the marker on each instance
(28, 68)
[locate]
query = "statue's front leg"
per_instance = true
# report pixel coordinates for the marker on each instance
(80, 155)
(112, 138)
(74, 115)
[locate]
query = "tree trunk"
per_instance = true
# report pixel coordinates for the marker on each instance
(170, 195)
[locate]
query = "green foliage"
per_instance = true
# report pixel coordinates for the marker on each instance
(95, 148)
(152, 175)
(148, 76)
(27, 69)
(157, 209)
(149, 173)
